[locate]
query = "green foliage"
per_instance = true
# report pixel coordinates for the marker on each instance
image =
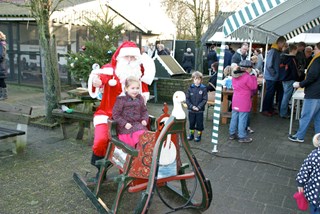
(98, 48)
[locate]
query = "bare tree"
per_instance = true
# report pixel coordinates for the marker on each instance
(216, 8)
(196, 14)
(208, 12)
(41, 11)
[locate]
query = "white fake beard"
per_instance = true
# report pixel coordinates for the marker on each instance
(125, 69)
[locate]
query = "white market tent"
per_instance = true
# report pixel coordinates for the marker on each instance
(219, 36)
(308, 38)
(264, 21)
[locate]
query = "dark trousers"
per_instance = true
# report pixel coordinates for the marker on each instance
(188, 69)
(196, 120)
(269, 97)
(2, 83)
(279, 93)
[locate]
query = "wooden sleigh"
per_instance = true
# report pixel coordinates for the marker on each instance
(145, 171)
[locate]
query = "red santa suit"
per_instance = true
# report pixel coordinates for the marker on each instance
(113, 86)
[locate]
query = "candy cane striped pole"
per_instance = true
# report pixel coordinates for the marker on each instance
(217, 102)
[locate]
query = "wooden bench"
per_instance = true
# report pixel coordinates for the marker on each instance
(85, 119)
(19, 114)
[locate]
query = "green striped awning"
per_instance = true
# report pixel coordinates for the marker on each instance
(248, 14)
(303, 28)
(273, 18)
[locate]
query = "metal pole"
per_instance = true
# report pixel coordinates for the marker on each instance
(174, 45)
(264, 70)
(250, 45)
(217, 102)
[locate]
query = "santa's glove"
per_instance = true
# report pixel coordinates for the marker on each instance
(296, 84)
(96, 81)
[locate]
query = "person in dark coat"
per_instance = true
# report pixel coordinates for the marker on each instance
(227, 56)
(188, 61)
(212, 56)
(196, 99)
(311, 104)
(240, 54)
(162, 51)
(301, 60)
(3, 86)
(212, 84)
(308, 54)
(271, 75)
(288, 75)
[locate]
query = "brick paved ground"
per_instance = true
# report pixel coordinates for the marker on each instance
(246, 178)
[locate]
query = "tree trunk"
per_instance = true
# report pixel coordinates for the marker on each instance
(198, 58)
(49, 64)
(216, 8)
(208, 13)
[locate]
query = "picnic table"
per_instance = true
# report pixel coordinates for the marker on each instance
(83, 95)
(82, 105)
(19, 114)
(6, 133)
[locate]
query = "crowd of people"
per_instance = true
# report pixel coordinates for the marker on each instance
(287, 68)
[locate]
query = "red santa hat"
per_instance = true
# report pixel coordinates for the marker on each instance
(127, 48)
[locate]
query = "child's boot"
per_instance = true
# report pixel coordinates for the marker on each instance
(198, 138)
(191, 135)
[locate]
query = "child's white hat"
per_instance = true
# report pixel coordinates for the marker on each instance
(316, 140)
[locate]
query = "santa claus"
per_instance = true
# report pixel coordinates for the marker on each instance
(126, 61)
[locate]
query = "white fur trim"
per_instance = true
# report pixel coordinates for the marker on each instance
(112, 82)
(149, 69)
(90, 86)
(129, 51)
(107, 71)
(100, 119)
(146, 95)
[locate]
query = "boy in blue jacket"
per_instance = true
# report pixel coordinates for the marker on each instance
(196, 99)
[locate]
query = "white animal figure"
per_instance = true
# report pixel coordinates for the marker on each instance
(179, 98)
(168, 152)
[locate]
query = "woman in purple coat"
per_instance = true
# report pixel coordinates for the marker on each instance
(244, 86)
(130, 113)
